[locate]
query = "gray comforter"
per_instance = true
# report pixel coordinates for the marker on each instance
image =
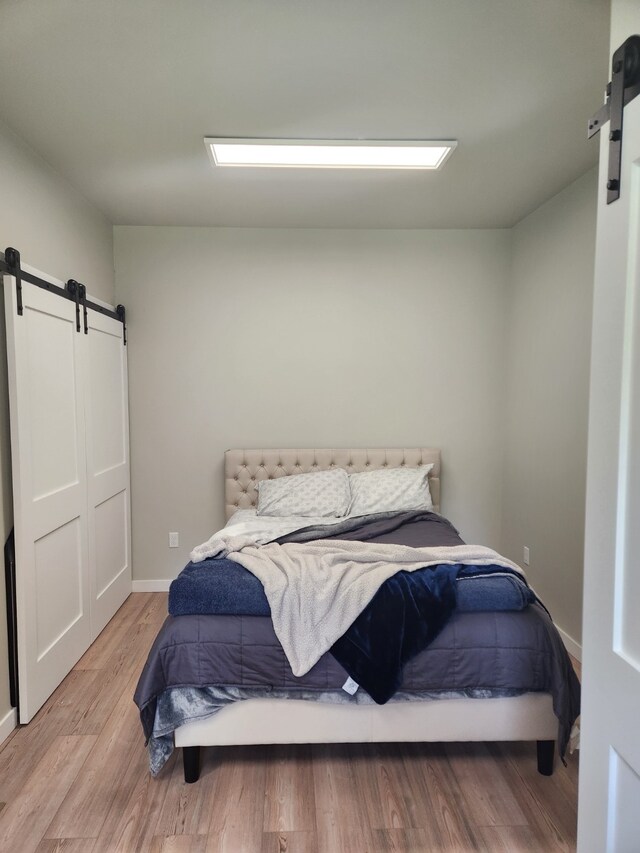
(479, 651)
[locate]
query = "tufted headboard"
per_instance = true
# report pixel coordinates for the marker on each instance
(244, 468)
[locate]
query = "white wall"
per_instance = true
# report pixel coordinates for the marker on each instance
(53, 227)
(241, 337)
(547, 354)
(59, 232)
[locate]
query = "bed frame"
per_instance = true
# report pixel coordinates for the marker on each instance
(264, 721)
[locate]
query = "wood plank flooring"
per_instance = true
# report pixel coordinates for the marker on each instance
(75, 780)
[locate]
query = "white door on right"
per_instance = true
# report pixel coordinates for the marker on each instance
(609, 790)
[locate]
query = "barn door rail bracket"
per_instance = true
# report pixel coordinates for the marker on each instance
(12, 259)
(74, 291)
(122, 316)
(11, 266)
(83, 299)
(623, 88)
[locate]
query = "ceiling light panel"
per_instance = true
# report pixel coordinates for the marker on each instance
(325, 154)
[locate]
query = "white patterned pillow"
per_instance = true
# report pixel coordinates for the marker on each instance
(319, 494)
(389, 490)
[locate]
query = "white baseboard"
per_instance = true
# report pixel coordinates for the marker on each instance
(8, 724)
(571, 645)
(161, 585)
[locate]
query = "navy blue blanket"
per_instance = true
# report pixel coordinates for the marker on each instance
(225, 588)
(406, 614)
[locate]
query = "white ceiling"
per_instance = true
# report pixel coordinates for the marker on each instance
(117, 95)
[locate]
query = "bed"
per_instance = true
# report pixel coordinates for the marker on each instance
(273, 714)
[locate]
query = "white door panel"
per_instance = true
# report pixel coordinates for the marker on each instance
(106, 406)
(627, 606)
(49, 342)
(609, 790)
(111, 522)
(50, 496)
(55, 509)
(107, 392)
(58, 567)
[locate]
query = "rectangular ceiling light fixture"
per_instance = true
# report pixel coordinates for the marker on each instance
(329, 154)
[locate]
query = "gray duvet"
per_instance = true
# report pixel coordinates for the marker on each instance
(475, 651)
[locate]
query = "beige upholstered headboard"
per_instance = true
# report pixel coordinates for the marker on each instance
(244, 468)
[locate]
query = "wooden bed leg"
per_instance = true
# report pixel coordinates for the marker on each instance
(191, 762)
(546, 750)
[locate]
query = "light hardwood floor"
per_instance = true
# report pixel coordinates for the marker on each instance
(75, 780)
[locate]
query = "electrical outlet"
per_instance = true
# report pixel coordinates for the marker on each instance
(525, 555)
(174, 540)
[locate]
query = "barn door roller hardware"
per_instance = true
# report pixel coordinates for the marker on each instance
(12, 261)
(623, 88)
(122, 316)
(83, 299)
(73, 290)
(79, 293)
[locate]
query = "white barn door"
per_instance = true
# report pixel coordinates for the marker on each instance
(70, 455)
(50, 492)
(107, 419)
(609, 801)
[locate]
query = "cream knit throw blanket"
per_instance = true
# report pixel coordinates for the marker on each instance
(316, 590)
